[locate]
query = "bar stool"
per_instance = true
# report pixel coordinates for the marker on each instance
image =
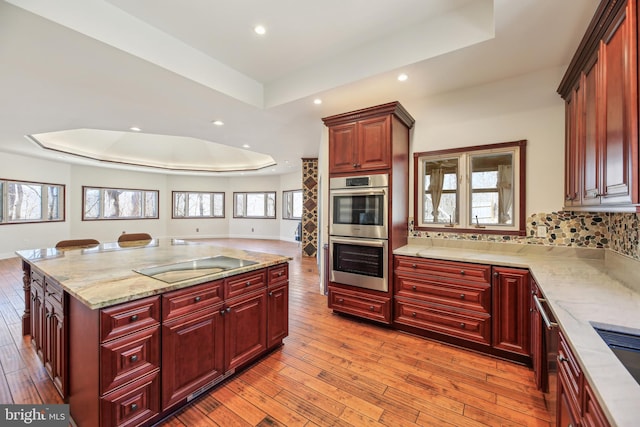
(133, 236)
(77, 243)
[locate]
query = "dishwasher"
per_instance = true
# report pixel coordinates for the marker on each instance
(549, 355)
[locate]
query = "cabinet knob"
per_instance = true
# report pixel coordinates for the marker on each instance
(134, 358)
(414, 287)
(340, 300)
(414, 266)
(561, 358)
(413, 314)
(280, 273)
(133, 318)
(495, 274)
(133, 406)
(461, 296)
(248, 284)
(462, 325)
(462, 272)
(270, 294)
(197, 299)
(371, 308)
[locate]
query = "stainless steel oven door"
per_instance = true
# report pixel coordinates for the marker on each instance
(359, 262)
(359, 212)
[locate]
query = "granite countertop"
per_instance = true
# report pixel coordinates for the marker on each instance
(581, 286)
(105, 275)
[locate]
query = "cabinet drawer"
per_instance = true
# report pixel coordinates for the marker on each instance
(360, 304)
(37, 279)
(459, 323)
(188, 300)
(244, 283)
(54, 292)
(129, 317)
(133, 404)
(449, 269)
(468, 295)
(129, 357)
(278, 274)
(593, 415)
(570, 370)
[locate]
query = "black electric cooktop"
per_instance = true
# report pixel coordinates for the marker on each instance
(172, 273)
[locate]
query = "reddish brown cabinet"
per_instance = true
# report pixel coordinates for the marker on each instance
(360, 146)
(277, 305)
(510, 315)
(600, 89)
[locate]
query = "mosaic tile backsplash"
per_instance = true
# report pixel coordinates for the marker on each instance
(615, 231)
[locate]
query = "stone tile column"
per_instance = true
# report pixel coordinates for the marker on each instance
(309, 240)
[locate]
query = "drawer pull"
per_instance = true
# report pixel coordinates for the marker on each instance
(340, 300)
(414, 266)
(371, 308)
(248, 284)
(561, 358)
(462, 272)
(134, 406)
(133, 318)
(461, 296)
(270, 294)
(280, 273)
(414, 287)
(413, 314)
(134, 358)
(462, 325)
(197, 299)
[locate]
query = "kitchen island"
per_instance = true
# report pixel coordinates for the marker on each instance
(131, 332)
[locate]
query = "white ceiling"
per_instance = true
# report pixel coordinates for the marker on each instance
(171, 68)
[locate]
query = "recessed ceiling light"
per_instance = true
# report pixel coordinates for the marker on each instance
(259, 29)
(317, 101)
(135, 129)
(402, 77)
(218, 122)
(246, 146)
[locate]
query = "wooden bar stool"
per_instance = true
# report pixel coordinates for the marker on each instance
(77, 243)
(133, 236)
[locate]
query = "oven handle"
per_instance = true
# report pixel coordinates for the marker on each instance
(360, 192)
(545, 317)
(376, 243)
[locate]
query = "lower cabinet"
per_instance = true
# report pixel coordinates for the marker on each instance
(577, 405)
(485, 306)
(155, 354)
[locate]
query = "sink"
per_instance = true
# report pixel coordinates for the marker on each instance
(625, 345)
(172, 273)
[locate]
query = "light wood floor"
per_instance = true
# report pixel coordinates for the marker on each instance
(331, 371)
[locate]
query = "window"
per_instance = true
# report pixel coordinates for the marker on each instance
(22, 202)
(254, 205)
(198, 204)
(477, 189)
(292, 204)
(118, 203)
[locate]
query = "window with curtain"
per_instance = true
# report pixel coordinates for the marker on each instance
(478, 189)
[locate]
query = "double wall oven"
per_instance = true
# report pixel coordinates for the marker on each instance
(358, 231)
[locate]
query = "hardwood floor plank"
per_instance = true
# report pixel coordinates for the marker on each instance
(22, 387)
(241, 407)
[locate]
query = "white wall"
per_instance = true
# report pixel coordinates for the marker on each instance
(526, 107)
(288, 182)
(15, 237)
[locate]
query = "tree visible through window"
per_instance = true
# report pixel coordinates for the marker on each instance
(30, 202)
(254, 205)
(292, 204)
(198, 204)
(119, 203)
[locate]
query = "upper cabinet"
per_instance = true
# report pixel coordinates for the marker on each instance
(600, 89)
(363, 140)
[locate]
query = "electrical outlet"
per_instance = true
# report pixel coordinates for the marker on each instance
(541, 231)
(252, 229)
(197, 230)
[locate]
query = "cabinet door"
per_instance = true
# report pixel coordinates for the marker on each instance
(591, 150)
(342, 148)
(572, 149)
(37, 319)
(617, 57)
(192, 354)
(245, 331)
(511, 317)
(277, 315)
(374, 142)
(54, 350)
